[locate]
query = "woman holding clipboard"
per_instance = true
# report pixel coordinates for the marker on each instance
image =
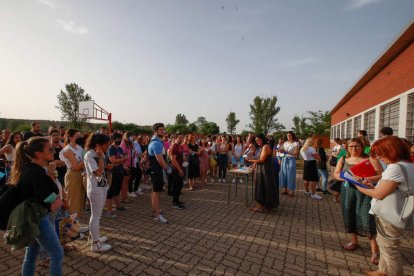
(355, 205)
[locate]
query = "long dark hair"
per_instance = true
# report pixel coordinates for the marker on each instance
(69, 134)
(95, 139)
(262, 137)
(11, 139)
(25, 153)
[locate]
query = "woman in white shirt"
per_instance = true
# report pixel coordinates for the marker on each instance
(288, 153)
(72, 155)
(310, 170)
(396, 154)
(9, 149)
(97, 186)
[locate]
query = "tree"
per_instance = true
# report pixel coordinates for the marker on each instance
(209, 128)
(181, 119)
(69, 104)
(192, 127)
(231, 122)
(319, 122)
(182, 128)
(200, 122)
(263, 113)
(300, 127)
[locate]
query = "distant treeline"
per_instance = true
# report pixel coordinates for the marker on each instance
(24, 125)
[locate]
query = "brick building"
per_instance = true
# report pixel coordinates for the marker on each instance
(384, 96)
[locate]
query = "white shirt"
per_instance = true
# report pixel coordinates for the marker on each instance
(290, 148)
(393, 173)
(78, 152)
(91, 165)
(307, 154)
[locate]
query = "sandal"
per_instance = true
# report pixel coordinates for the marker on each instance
(350, 246)
(375, 258)
(284, 193)
(291, 194)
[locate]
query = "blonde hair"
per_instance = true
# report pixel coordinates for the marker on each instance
(309, 142)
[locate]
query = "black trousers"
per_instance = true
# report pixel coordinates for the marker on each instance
(135, 179)
(176, 185)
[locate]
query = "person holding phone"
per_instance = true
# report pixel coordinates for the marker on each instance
(33, 172)
(97, 186)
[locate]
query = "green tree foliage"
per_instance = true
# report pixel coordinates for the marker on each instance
(68, 104)
(209, 128)
(182, 128)
(181, 119)
(300, 127)
(319, 122)
(232, 122)
(192, 127)
(263, 113)
(315, 123)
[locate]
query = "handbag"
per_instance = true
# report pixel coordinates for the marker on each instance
(333, 161)
(397, 208)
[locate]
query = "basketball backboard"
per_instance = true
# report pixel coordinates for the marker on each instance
(86, 109)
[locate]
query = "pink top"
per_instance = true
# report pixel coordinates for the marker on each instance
(129, 162)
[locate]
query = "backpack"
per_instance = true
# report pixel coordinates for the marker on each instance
(9, 199)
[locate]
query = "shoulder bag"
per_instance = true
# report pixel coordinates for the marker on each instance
(397, 209)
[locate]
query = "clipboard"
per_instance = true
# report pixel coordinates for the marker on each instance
(351, 180)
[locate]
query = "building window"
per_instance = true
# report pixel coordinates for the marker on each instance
(338, 133)
(332, 132)
(357, 125)
(389, 115)
(410, 118)
(343, 130)
(348, 133)
(369, 124)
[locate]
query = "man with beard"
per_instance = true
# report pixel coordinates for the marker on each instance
(156, 154)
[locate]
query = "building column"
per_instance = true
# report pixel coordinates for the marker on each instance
(377, 122)
(402, 126)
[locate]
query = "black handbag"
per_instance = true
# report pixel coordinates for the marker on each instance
(333, 161)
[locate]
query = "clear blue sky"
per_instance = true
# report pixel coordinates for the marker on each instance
(146, 61)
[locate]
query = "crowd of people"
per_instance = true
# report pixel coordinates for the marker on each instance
(99, 173)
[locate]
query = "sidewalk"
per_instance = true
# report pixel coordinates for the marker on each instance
(212, 237)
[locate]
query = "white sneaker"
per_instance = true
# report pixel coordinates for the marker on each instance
(212, 180)
(224, 180)
(160, 219)
(139, 192)
(100, 247)
(101, 239)
(132, 194)
(308, 194)
(241, 181)
(316, 196)
(234, 180)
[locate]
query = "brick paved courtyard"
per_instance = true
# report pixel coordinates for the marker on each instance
(212, 237)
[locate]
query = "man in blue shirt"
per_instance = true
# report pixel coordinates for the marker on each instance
(157, 165)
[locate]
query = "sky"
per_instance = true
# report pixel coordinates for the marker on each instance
(146, 61)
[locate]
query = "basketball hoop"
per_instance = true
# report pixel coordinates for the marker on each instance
(89, 110)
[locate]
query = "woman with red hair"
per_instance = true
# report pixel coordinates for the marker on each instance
(394, 152)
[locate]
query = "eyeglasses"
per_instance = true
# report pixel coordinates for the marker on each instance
(354, 146)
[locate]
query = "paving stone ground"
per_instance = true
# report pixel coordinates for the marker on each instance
(212, 237)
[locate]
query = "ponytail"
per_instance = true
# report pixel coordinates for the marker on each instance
(95, 139)
(69, 134)
(25, 153)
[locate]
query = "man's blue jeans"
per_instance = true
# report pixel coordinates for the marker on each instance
(49, 240)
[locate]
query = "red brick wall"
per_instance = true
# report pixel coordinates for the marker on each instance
(396, 78)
